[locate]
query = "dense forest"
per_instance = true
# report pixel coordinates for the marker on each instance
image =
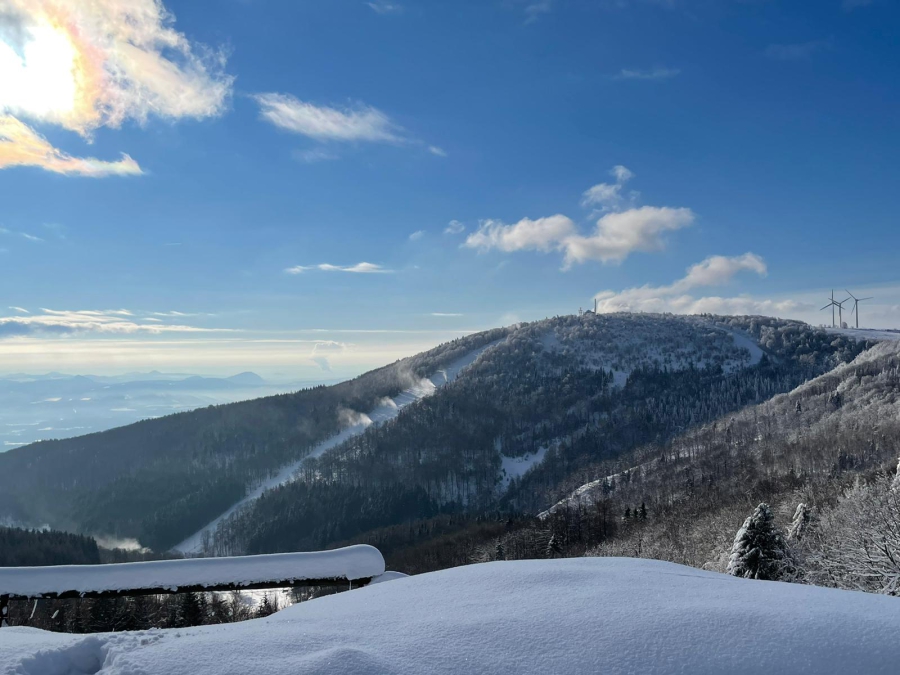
(160, 480)
(29, 548)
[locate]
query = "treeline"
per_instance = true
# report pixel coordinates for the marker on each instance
(32, 548)
(103, 615)
(160, 480)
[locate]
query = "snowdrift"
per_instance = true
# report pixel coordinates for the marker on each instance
(588, 615)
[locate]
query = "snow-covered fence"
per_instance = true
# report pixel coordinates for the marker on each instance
(354, 565)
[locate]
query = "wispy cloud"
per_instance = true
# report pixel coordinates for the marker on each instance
(25, 235)
(20, 310)
(534, 10)
(358, 268)
(418, 234)
(324, 123)
(651, 74)
(801, 51)
(676, 297)
(49, 322)
(435, 150)
(86, 65)
(384, 7)
(609, 196)
(618, 233)
(20, 145)
(445, 314)
(315, 156)
(454, 227)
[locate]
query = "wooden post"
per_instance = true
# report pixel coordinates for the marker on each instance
(4, 611)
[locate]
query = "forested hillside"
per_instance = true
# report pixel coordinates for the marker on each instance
(822, 457)
(160, 480)
(578, 392)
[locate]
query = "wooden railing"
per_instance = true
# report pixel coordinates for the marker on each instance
(351, 566)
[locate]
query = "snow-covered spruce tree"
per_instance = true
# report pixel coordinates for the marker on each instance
(759, 550)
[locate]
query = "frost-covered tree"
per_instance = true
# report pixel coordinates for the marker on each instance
(800, 523)
(759, 550)
(895, 484)
(553, 547)
(858, 542)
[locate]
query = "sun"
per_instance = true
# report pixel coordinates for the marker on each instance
(39, 79)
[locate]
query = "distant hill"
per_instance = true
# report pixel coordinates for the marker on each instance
(246, 378)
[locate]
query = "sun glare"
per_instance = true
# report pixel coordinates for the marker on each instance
(39, 81)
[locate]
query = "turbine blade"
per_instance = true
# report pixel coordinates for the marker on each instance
(872, 297)
(825, 307)
(850, 294)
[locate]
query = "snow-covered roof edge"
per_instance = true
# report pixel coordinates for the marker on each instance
(350, 563)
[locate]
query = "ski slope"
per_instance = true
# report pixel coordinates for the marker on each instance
(387, 410)
(575, 616)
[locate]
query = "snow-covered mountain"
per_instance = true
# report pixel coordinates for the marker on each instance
(502, 419)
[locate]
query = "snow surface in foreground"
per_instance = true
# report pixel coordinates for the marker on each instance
(587, 615)
(387, 410)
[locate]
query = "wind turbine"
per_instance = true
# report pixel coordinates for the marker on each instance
(831, 304)
(856, 302)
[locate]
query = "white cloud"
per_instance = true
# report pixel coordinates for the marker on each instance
(384, 7)
(618, 233)
(714, 271)
(358, 268)
(327, 124)
(543, 234)
(418, 234)
(117, 321)
(454, 227)
(652, 74)
(445, 314)
(20, 310)
(323, 348)
(86, 65)
(435, 150)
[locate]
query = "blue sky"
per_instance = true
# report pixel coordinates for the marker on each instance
(728, 156)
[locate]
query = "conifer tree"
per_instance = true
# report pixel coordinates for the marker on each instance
(759, 551)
